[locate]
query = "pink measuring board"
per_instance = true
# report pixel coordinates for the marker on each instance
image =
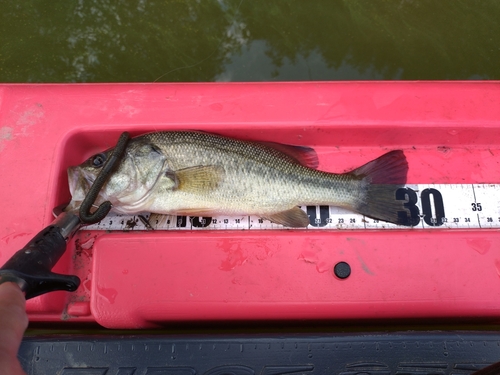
(449, 131)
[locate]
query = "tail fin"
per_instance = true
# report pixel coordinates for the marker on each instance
(383, 177)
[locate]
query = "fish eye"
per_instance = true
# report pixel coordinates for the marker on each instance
(98, 160)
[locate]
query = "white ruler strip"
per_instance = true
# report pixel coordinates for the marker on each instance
(430, 206)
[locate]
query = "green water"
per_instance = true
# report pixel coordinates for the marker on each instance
(248, 40)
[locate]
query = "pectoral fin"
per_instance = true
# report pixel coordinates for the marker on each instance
(294, 218)
(199, 179)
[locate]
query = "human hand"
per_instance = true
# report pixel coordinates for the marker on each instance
(13, 323)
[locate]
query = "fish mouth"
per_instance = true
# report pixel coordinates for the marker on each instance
(79, 182)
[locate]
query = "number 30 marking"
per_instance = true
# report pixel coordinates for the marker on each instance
(403, 194)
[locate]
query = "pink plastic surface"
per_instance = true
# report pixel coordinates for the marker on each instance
(450, 132)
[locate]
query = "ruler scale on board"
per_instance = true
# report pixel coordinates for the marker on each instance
(455, 206)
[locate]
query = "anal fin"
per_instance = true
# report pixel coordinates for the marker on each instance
(293, 218)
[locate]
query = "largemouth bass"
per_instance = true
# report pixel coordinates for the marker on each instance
(202, 174)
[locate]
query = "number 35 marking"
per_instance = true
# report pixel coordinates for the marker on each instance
(476, 207)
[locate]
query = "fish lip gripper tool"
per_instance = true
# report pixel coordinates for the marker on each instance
(30, 267)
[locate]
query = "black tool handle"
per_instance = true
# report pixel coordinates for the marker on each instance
(31, 266)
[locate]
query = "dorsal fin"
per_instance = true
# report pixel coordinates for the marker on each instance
(305, 156)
